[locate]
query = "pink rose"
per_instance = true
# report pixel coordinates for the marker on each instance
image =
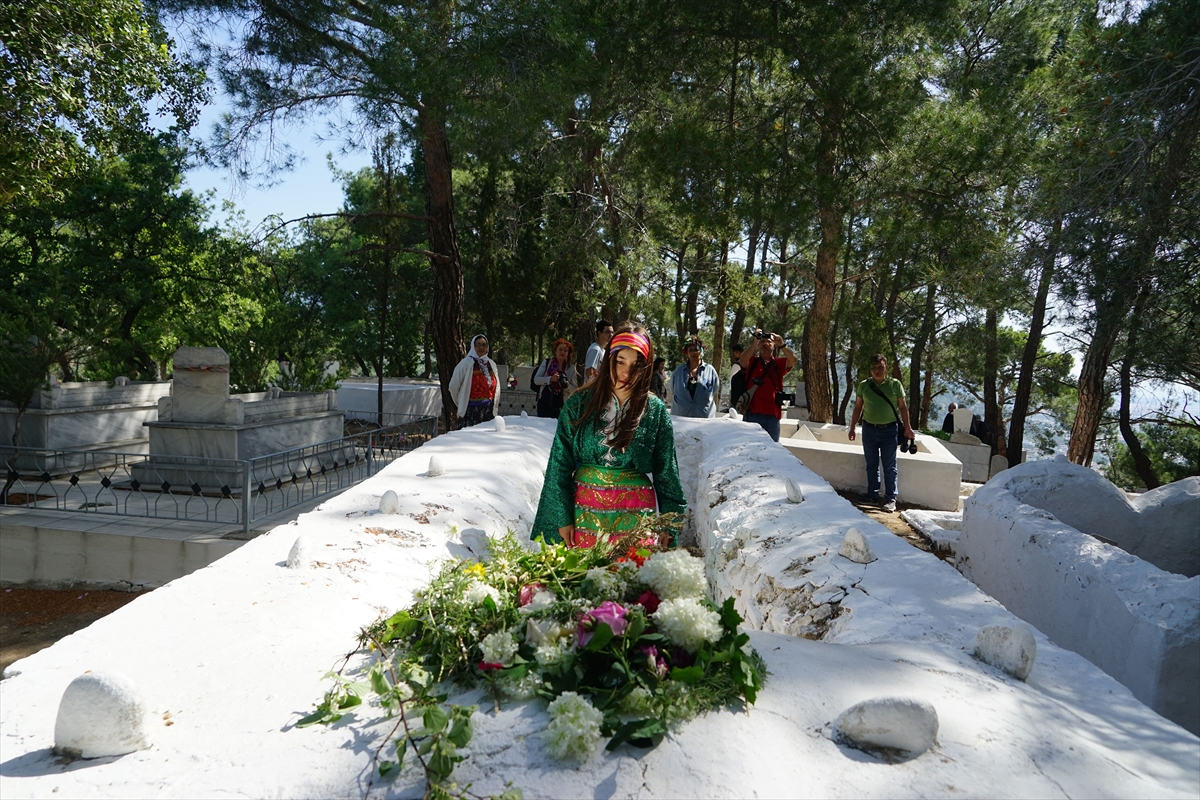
(611, 615)
(528, 591)
(607, 612)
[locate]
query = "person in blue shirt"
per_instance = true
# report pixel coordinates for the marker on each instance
(694, 384)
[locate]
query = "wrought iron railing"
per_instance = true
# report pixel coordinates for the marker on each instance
(205, 489)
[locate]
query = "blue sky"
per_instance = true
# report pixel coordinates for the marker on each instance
(310, 188)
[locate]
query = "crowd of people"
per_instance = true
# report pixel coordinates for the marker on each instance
(612, 462)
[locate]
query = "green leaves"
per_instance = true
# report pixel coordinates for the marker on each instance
(689, 675)
(639, 733)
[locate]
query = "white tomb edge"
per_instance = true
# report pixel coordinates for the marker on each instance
(233, 654)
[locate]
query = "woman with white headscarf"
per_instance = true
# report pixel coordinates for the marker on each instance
(475, 385)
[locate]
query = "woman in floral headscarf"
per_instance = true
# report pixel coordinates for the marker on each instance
(613, 434)
(475, 385)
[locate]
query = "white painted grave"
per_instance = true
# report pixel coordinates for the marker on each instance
(1026, 540)
(359, 397)
(930, 477)
(83, 416)
(234, 654)
(200, 419)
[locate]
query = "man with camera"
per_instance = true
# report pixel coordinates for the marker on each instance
(762, 402)
(881, 407)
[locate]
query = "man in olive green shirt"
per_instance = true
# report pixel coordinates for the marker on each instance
(880, 401)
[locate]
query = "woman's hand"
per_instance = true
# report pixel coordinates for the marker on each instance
(567, 532)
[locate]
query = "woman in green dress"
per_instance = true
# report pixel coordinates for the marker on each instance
(613, 434)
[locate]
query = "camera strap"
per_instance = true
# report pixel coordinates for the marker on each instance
(743, 403)
(886, 399)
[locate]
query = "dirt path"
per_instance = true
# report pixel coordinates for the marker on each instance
(892, 521)
(33, 619)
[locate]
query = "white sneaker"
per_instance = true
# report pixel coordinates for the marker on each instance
(889, 506)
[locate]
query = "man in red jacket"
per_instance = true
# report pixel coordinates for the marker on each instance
(764, 377)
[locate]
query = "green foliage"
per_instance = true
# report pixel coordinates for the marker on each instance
(77, 77)
(1173, 450)
(534, 610)
(962, 363)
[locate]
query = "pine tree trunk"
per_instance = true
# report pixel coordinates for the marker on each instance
(447, 306)
(1016, 428)
(991, 364)
(816, 328)
(918, 353)
(1092, 394)
(1141, 462)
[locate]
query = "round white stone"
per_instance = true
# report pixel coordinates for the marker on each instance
(101, 714)
(301, 556)
(498, 424)
(389, 503)
(1012, 649)
(435, 467)
(733, 414)
(794, 494)
(524, 413)
(896, 723)
(856, 547)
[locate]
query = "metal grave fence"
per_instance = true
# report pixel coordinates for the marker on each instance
(206, 489)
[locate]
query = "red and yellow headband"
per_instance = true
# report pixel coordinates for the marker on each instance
(633, 340)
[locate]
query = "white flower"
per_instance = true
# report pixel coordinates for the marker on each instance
(478, 590)
(574, 728)
(687, 623)
(608, 584)
(499, 648)
(543, 631)
(639, 702)
(543, 598)
(523, 688)
(553, 651)
(674, 574)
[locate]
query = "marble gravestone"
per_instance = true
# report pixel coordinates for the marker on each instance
(200, 419)
(81, 416)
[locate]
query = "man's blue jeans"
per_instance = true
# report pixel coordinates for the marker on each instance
(769, 423)
(879, 444)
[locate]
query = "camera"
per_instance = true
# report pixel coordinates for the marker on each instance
(788, 396)
(762, 335)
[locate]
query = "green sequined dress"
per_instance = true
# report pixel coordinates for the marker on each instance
(652, 452)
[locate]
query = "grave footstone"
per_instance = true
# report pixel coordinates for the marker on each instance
(101, 714)
(894, 723)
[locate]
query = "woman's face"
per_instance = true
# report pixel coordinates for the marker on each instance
(481, 347)
(626, 359)
(561, 352)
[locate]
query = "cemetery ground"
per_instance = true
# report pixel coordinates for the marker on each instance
(33, 619)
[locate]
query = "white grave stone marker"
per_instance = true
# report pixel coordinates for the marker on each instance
(101, 714)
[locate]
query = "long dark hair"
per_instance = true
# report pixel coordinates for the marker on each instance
(602, 384)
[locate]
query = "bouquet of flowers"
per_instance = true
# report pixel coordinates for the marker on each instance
(621, 639)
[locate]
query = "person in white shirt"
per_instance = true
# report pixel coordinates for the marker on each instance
(595, 353)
